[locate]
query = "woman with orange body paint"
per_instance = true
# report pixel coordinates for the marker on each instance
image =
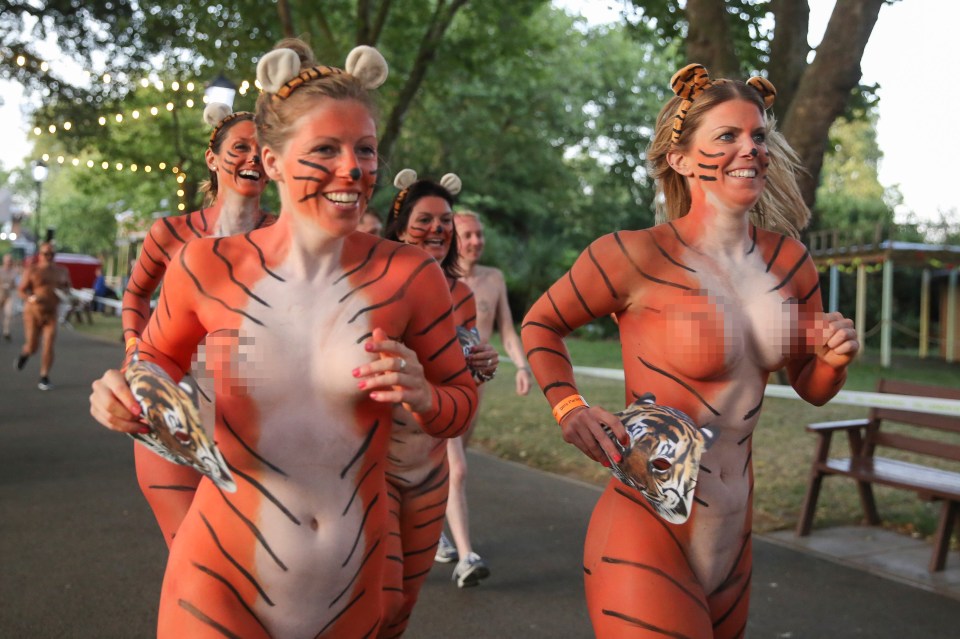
(709, 304)
(418, 477)
(311, 340)
(236, 183)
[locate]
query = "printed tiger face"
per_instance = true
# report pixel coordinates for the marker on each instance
(173, 414)
(663, 458)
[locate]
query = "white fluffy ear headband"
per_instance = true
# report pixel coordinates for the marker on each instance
(407, 177)
(217, 114)
(279, 71)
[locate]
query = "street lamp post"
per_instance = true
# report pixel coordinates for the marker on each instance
(40, 172)
(221, 90)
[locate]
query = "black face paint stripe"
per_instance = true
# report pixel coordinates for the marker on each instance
(314, 165)
(719, 154)
(707, 178)
(709, 166)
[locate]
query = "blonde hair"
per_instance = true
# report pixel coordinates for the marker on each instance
(780, 208)
(467, 213)
(275, 118)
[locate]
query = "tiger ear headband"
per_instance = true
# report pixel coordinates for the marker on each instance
(693, 79)
(279, 71)
(407, 177)
(217, 115)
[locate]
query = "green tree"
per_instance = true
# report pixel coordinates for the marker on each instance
(850, 196)
(729, 39)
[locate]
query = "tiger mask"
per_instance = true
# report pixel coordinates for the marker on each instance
(662, 459)
(172, 412)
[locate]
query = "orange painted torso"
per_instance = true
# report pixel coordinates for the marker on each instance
(702, 334)
(301, 544)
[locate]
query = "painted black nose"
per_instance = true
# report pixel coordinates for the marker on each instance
(355, 173)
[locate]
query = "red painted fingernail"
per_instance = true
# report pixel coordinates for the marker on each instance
(368, 346)
(361, 384)
(144, 430)
(618, 458)
(605, 463)
(356, 372)
(374, 395)
(136, 409)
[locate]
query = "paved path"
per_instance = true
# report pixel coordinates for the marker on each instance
(80, 555)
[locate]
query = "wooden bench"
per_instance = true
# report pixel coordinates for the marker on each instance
(867, 468)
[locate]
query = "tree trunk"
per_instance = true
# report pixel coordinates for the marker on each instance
(708, 38)
(789, 49)
(439, 22)
(826, 84)
(286, 19)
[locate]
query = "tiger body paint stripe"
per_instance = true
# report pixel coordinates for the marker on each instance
(163, 241)
(309, 538)
(419, 478)
(703, 342)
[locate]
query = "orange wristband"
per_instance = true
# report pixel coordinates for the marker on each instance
(568, 404)
(132, 341)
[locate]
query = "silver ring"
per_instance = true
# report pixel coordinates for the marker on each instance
(403, 363)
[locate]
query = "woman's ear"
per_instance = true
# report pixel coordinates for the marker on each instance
(211, 159)
(271, 164)
(680, 163)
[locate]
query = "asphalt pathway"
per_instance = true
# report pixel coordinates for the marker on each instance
(80, 555)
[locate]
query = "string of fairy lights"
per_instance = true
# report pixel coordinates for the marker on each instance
(183, 101)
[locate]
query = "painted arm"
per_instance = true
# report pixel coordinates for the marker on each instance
(172, 334)
(510, 339)
(166, 236)
(431, 333)
(829, 340)
(595, 286)
(25, 289)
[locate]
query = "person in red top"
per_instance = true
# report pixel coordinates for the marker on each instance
(709, 303)
(311, 341)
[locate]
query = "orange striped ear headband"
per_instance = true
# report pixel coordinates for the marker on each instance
(692, 80)
(305, 76)
(687, 83)
(224, 121)
(279, 73)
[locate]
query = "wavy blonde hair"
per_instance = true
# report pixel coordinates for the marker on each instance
(780, 208)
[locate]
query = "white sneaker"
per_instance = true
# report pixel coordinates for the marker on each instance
(470, 571)
(446, 551)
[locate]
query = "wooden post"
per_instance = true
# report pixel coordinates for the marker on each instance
(834, 288)
(861, 318)
(952, 314)
(886, 315)
(924, 313)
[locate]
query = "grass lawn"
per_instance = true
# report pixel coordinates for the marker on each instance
(522, 429)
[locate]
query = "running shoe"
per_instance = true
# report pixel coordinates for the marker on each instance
(45, 384)
(446, 551)
(470, 571)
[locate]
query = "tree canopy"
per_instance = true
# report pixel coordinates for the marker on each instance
(543, 116)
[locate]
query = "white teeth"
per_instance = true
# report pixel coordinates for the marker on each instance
(342, 198)
(743, 173)
(250, 173)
